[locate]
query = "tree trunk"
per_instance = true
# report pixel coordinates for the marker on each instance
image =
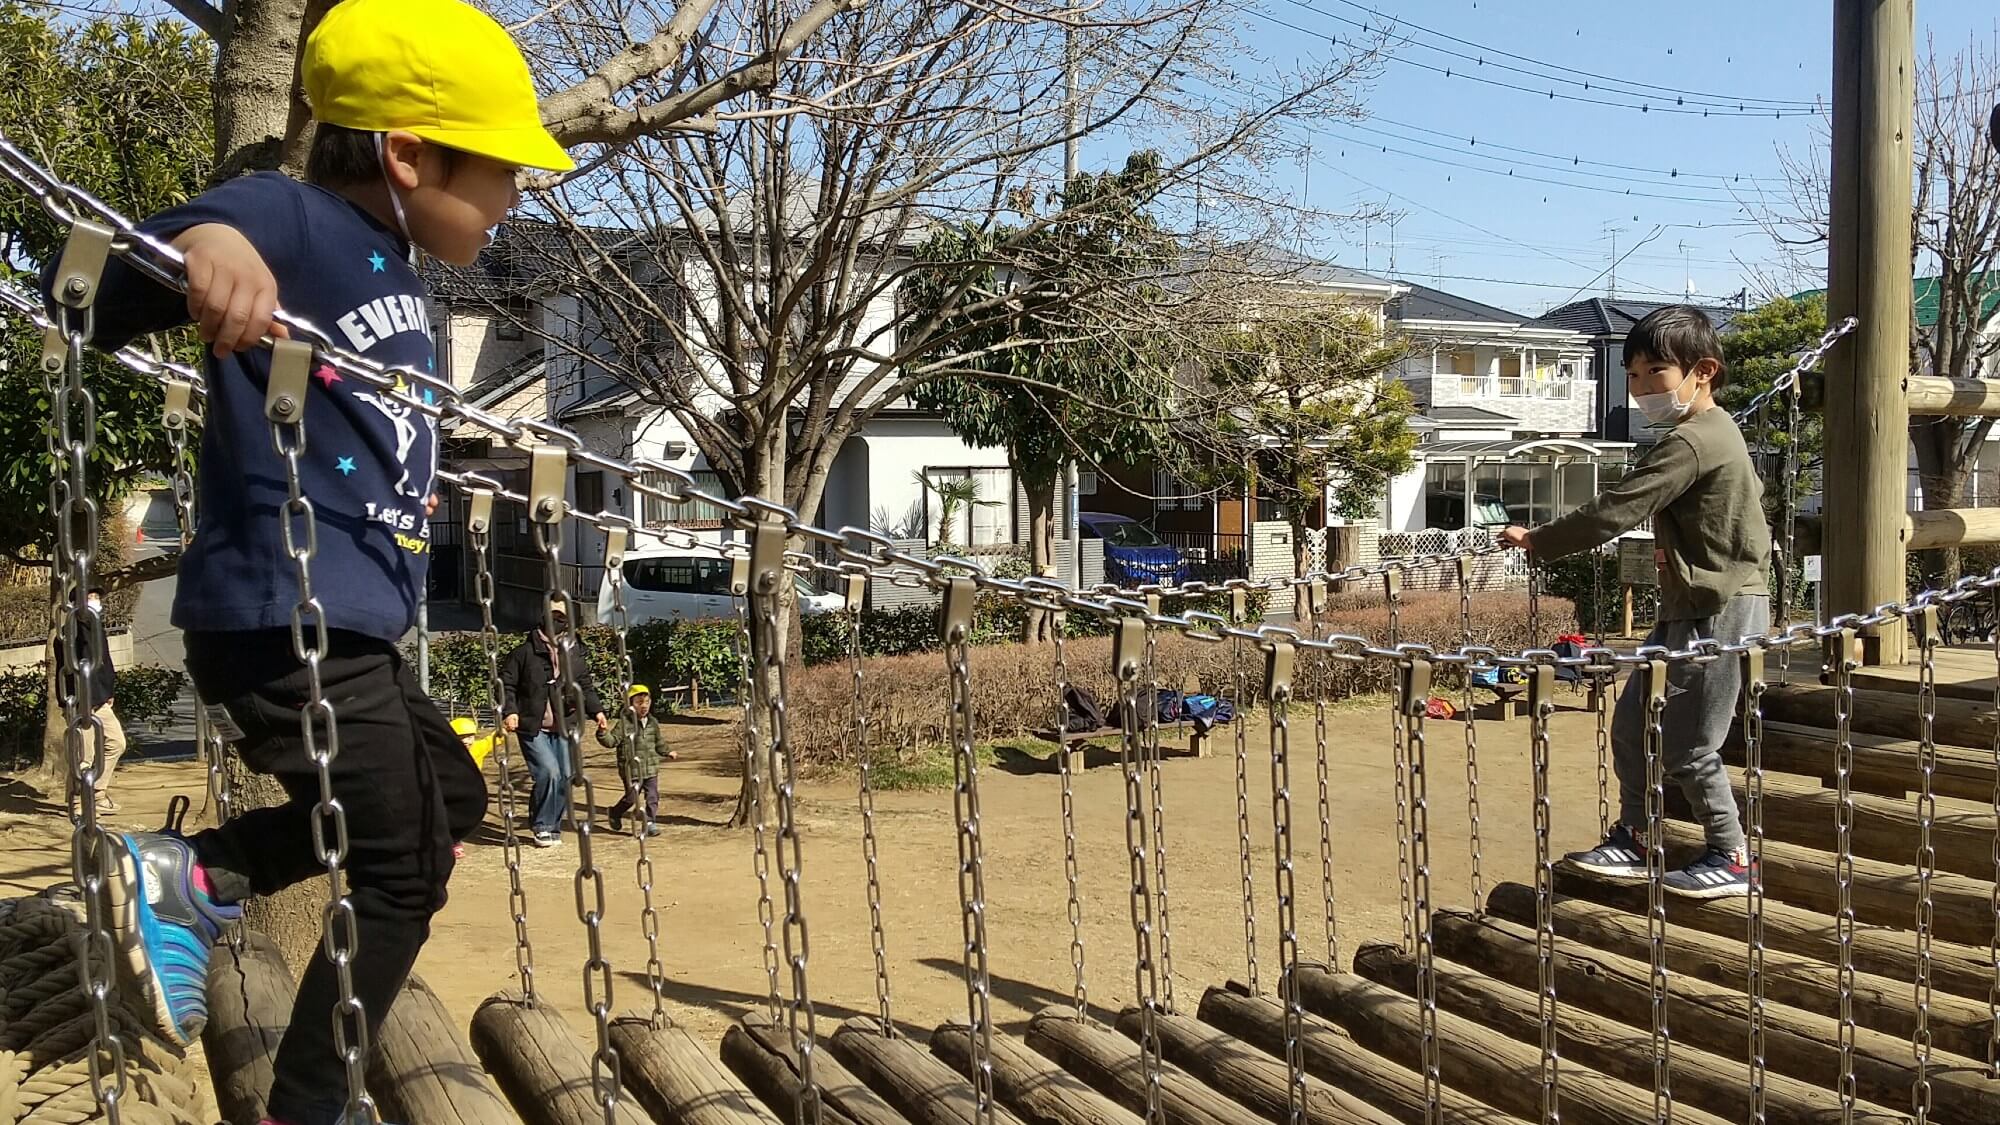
(1301, 566)
(1941, 472)
(1039, 625)
(767, 479)
(261, 118)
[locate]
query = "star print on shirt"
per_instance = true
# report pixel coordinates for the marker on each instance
(376, 260)
(345, 466)
(326, 375)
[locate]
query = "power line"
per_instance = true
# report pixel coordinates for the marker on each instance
(1576, 159)
(1509, 174)
(1614, 176)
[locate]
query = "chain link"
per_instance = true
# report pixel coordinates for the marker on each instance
(857, 728)
(1330, 916)
(971, 847)
(479, 537)
(1925, 625)
(1129, 668)
(1842, 663)
(1244, 868)
(566, 649)
(1159, 828)
(1656, 870)
(1416, 676)
(1080, 995)
(1399, 754)
(1603, 680)
(1471, 736)
(642, 813)
(1542, 705)
(1753, 824)
(753, 780)
(1278, 697)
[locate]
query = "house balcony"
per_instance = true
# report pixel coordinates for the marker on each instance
(1552, 405)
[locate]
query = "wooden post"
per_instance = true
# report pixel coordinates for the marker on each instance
(1625, 622)
(1868, 276)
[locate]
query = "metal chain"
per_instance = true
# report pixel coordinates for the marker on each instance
(1277, 697)
(1416, 682)
(1993, 948)
(768, 581)
(1534, 605)
(1925, 625)
(753, 780)
(479, 537)
(1542, 705)
(1753, 823)
(1128, 665)
(1603, 679)
(1471, 734)
(857, 727)
(971, 848)
(72, 436)
(1399, 753)
(1244, 867)
(1841, 662)
(649, 915)
(1656, 871)
(1159, 828)
(1080, 995)
(285, 405)
(566, 649)
(1806, 362)
(1329, 915)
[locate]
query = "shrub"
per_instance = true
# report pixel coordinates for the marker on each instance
(664, 654)
(24, 702)
(1013, 694)
(147, 694)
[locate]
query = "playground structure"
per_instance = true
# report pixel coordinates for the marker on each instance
(1861, 982)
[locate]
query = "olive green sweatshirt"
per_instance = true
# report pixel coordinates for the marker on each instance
(1707, 504)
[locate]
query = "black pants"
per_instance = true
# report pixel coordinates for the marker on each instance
(650, 787)
(409, 788)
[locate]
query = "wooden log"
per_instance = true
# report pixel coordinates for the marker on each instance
(760, 1053)
(1883, 1003)
(920, 1087)
(1248, 1075)
(1954, 398)
(1881, 765)
(421, 1070)
(1884, 893)
(1885, 828)
(1703, 1079)
(1112, 1065)
(1034, 1087)
(249, 1006)
(1331, 1055)
(1494, 1068)
(1961, 970)
(677, 1079)
(539, 1063)
(1953, 527)
(1716, 1018)
(1892, 714)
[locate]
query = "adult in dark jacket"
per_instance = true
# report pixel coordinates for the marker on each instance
(92, 641)
(528, 677)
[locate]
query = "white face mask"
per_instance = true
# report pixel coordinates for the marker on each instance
(395, 197)
(94, 605)
(1665, 406)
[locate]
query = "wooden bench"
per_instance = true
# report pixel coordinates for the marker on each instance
(1072, 743)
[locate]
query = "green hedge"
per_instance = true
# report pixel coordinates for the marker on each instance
(146, 695)
(664, 654)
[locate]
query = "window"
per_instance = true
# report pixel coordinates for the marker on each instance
(590, 492)
(509, 329)
(982, 507)
(1171, 493)
(1459, 361)
(1086, 482)
(1510, 366)
(695, 514)
(1567, 369)
(678, 575)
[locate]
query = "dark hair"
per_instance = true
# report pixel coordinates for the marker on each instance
(98, 590)
(341, 156)
(1678, 334)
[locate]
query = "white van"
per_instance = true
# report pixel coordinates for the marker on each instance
(690, 584)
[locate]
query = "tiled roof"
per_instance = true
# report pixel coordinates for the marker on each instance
(1600, 316)
(1424, 303)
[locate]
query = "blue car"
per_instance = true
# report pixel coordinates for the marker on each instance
(1133, 555)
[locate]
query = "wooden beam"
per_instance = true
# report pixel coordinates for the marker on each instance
(1868, 252)
(1716, 1018)
(760, 1053)
(1884, 1003)
(676, 1078)
(1496, 1068)
(1955, 398)
(1704, 1079)
(1881, 765)
(1333, 1056)
(422, 1069)
(921, 1087)
(1250, 1076)
(1953, 527)
(1885, 828)
(1112, 1065)
(1892, 714)
(1032, 1085)
(249, 1005)
(540, 1063)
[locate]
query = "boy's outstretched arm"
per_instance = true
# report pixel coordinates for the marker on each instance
(1659, 477)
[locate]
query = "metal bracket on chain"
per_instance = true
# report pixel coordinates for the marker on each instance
(548, 478)
(1278, 661)
(1153, 604)
(1239, 605)
(291, 372)
(81, 268)
(616, 542)
(767, 556)
(179, 397)
(1465, 571)
(1316, 597)
(55, 351)
(956, 624)
(1416, 686)
(1128, 648)
(1753, 664)
(479, 512)
(1924, 626)
(1839, 648)
(1656, 682)
(739, 575)
(1392, 584)
(856, 592)
(1541, 689)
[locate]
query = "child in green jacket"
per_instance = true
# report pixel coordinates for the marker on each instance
(640, 749)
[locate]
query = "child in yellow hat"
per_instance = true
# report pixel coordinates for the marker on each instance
(425, 116)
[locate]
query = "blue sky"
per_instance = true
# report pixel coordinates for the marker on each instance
(1542, 243)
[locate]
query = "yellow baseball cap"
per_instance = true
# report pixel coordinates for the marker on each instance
(638, 689)
(440, 69)
(463, 726)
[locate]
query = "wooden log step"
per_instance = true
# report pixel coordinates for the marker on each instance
(1964, 672)
(1883, 893)
(1332, 1056)
(1248, 1075)
(920, 1086)
(249, 1006)
(422, 1071)
(1716, 1018)
(1885, 828)
(1497, 1069)
(1883, 766)
(1031, 1084)
(1888, 1005)
(1959, 722)
(1959, 969)
(1112, 1065)
(676, 1078)
(539, 1063)
(1715, 1082)
(760, 1053)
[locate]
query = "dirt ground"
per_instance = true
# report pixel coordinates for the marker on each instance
(706, 893)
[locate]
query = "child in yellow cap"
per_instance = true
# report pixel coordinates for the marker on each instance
(425, 116)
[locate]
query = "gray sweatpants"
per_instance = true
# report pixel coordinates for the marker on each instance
(1702, 701)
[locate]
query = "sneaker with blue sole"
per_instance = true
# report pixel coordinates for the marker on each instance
(1620, 856)
(165, 925)
(1717, 874)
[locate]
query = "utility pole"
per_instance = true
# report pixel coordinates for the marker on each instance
(1611, 275)
(1868, 277)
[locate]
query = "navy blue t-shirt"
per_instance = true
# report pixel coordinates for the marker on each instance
(369, 461)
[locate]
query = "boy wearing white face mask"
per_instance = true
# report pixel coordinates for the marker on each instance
(1701, 490)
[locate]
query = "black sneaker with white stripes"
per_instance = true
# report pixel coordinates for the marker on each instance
(1618, 857)
(1716, 874)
